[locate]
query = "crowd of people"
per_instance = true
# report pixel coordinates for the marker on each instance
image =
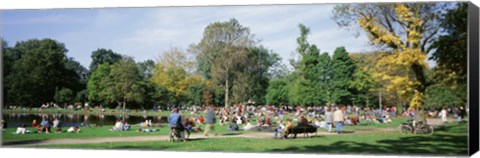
(276, 119)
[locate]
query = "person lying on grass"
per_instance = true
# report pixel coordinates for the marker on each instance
(73, 130)
(147, 130)
(22, 129)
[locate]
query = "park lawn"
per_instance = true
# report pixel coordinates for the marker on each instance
(103, 132)
(448, 140)
(98, 132)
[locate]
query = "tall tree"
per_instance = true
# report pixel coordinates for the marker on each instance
(96, 83)
(37, 68)
(123, 82)
(277, 91)
(223, 48)
(403, 29)
(451, 54)
(343, 70)
(174, 72)
(101, 56)
(304, 89)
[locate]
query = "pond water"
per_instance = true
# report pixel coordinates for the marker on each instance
(67, 120)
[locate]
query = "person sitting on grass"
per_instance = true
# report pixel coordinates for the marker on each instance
(289, 125)
(35, 123)
(232, 126)
(348, 121)
(58, 130)
(22, 129)
(248, 126)
(200, 119)
(126, 126)
(118, 126)
(73, 130)
(45, 125)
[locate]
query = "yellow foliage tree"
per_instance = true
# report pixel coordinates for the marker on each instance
(173, 71)
(402, 69)
(404, 30)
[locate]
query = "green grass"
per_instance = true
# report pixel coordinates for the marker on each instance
(448, 140)
(102, 132)
(95, 132)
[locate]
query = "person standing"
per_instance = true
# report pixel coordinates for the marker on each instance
(444, 115)
(338, 118)
(209, 120)
(329, 119)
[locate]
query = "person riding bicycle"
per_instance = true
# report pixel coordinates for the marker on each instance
(175, 122)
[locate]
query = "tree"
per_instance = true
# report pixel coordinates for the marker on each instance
(343, 70)
(96, 85)
(36, 68)
(451, 54)
(64, 95)
(443, 96)
(123, 82)
(305, 88)
(403, 29)
(253, 75)
(451, 48)
(277, 92)
(173, 71)
(146, 68)
(223, 48)
(101, 56)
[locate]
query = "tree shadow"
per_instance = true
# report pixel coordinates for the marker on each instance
(22, 142)
(442, 143)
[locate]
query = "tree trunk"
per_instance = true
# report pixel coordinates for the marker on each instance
(226, 92)
(124, 103)
(380, 100)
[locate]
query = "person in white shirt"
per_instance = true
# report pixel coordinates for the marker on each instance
(22, 129)
(443, 113)
(73, 130)
(56, 122)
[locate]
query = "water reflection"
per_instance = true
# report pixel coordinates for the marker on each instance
(67, 120)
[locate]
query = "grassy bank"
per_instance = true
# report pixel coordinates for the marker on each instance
(448, 140)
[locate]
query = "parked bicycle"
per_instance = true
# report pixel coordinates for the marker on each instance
(416, 127)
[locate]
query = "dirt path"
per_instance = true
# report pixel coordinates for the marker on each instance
(262, 135)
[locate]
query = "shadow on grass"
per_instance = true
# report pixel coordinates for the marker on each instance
(22, 142)
(449, 140)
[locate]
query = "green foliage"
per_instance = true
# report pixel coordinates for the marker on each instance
(101, 56)
(123, 82)
(34, 69)
(277, 92)
(443, 96)
(343, 69)
(451, 48)
(96, 85)
(64, 95)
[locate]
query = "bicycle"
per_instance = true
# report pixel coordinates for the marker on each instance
(411, 126)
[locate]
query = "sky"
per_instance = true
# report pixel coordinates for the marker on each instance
(145, 33)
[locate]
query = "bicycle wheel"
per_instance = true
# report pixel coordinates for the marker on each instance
(429, 129)
(406, 129)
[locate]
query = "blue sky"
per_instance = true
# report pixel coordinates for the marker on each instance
(145, 33)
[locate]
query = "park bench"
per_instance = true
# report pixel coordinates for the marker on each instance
(305, 129)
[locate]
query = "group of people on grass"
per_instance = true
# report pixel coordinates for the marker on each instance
(46, 126)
